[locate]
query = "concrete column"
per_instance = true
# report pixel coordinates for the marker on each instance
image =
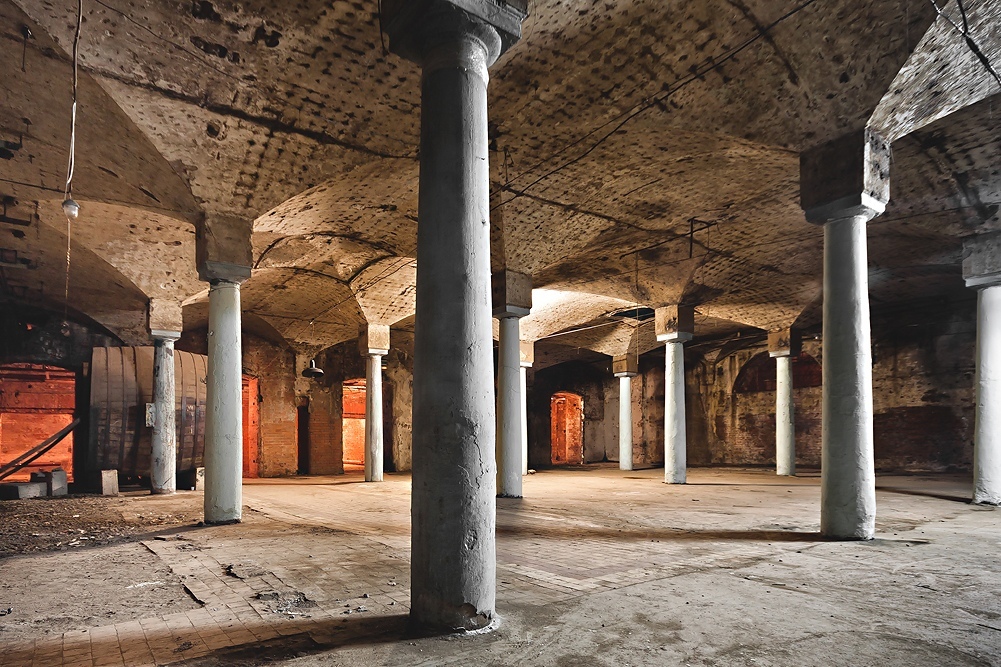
(224, 407)
(785, 423)
(527, 359)
(523, 373)
(373, 419)
(373, 342)
(625, 367)
(848, 474)
(509, 446)
(674, 325)
(987, 436)
(783, 346)
(675, 429)
(453, 557)
(625, 422)
(163, 455)
(982, 270)
(844, 184)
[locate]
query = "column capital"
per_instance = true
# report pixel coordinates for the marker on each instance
(526, 353)
(415, 27)
(982, 260)
(784, 343)
(845, 178)
(625, 366)
(373, 339)
(511, 294)
(223, 251)
(164, 319)
(674, 323)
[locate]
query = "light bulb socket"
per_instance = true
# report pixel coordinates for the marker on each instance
(71, 209)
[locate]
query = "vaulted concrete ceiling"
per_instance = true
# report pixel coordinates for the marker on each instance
(643, 152)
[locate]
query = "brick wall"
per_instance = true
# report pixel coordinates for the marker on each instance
(36, 402)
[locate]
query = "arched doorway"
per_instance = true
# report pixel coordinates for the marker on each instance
(567, 411)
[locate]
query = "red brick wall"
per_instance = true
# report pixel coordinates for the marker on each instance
(354, 423)
(35, 403)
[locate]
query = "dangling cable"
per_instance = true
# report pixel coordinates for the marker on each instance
(70, 207)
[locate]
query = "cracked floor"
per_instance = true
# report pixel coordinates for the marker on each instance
(595, 567)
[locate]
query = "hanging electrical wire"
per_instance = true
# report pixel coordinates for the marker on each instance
(70, 207)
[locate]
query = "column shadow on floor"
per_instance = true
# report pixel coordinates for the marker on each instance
(966, 500)
(356, 630)
(664, 534)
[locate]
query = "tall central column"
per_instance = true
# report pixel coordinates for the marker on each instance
(982, 271)
(224, 406)
(674, 325)
(844, 184)
(374, 343)
(625, 368)
(163, 443)
(453, 558)
(783, 346)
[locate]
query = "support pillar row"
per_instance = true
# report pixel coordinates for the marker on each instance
(163, 443)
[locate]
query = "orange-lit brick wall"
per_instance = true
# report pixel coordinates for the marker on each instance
(36, 402)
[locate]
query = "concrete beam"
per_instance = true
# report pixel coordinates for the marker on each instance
(982, 260)
(674, 323)
(412, 24)
(222, 248)
(626, 365)
(373, 339)
(511, 294)
(845, 178)
(784, 343)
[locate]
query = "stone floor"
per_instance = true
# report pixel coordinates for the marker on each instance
(595, 567)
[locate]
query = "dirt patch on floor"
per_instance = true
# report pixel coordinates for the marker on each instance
(51, 548)
(77, 522)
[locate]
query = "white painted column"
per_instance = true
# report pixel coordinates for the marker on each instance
(625, 422)
(453, 559)
(523, 372)
(373, 419)
(848, 476)
(987, 434)
(224, 406)
(675, 429)
(163, 446)
(785, 421)
(509, 406)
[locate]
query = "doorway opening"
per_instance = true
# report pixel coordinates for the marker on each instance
(353, 442)
(251, 425)
(567, 411)
(36, 402)
(302, 436)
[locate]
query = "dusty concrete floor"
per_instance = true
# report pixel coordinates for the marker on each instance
(595, 567)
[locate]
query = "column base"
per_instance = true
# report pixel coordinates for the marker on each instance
(508, 495)
(224, 522)
(162, 492)
(986, 499)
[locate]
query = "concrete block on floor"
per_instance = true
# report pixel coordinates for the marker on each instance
(55, 481)
(109, 482)
(21, 490)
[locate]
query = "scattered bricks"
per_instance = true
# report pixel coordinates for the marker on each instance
(21, 490)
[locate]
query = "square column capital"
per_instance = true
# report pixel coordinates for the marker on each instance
(625, 365)
(163, 318)
(373, 339)
(845, 178)
(982, 260)
(674, 323)
(784, 343)
(222, 248)
(511, 294)
(526, 353)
